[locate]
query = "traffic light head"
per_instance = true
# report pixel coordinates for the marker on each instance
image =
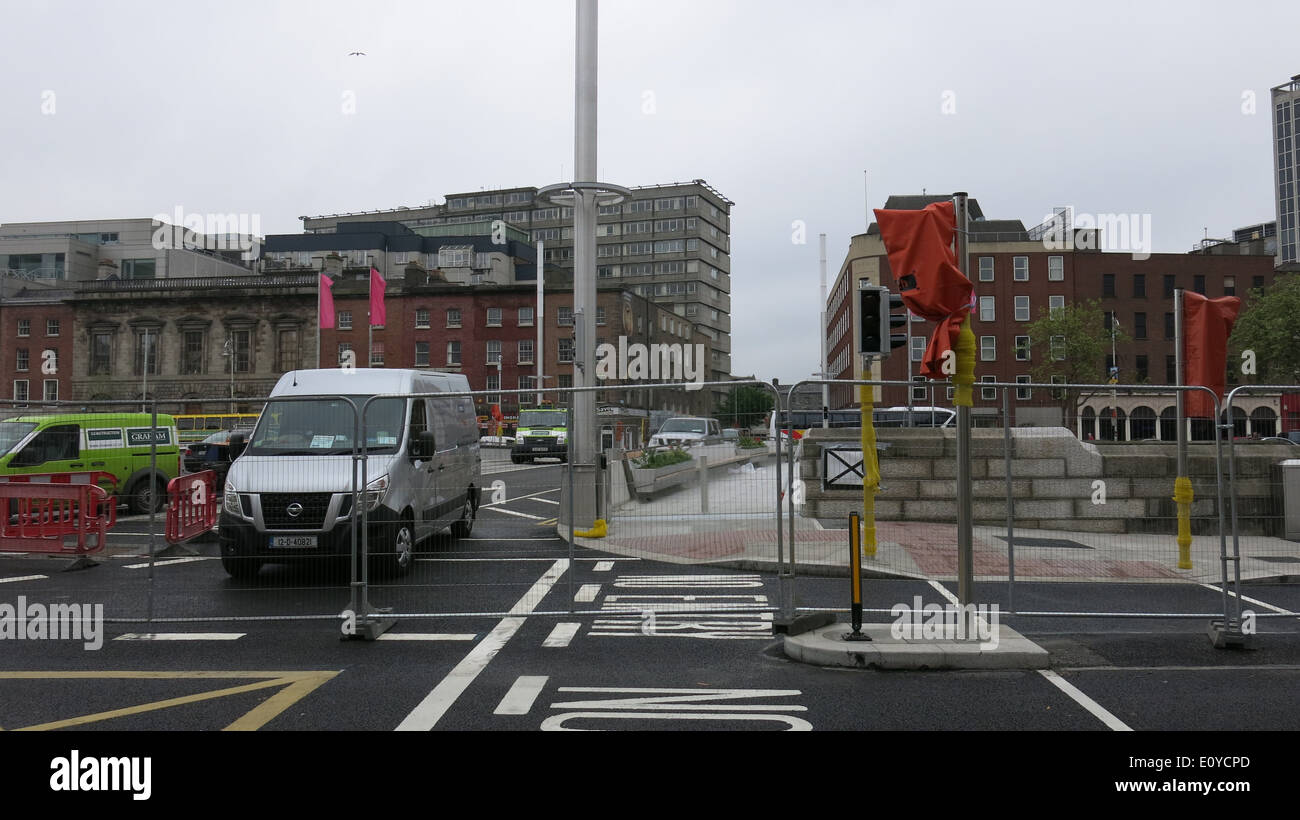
(878, 319)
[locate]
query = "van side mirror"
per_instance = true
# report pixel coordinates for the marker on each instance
(424, 445)
(237, 444)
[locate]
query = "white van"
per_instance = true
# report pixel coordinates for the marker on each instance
(288, 495)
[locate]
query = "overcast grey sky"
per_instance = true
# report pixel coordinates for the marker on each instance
(128, 109)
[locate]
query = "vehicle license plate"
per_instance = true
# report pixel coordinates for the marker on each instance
(292, 541)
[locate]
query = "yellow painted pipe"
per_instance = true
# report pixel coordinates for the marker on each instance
(1183, 496)
(870, 471)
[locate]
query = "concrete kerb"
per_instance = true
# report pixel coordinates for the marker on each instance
(826, 647)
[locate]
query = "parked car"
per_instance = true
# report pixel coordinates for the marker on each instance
(684, 431)
(213, 453)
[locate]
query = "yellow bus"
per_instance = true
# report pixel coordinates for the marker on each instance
(198, 426)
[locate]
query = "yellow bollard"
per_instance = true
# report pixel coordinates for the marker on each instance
(1183, 496)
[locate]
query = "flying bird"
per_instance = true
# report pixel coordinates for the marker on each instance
(356, 54)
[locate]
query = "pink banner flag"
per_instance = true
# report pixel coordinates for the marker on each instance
(325, 302)
(378, 316)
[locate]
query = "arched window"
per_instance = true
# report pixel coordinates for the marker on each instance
(1142, 423)
(1263, 422)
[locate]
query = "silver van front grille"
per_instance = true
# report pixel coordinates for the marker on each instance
(294, 511)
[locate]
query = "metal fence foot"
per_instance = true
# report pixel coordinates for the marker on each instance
(80, 562)
(175, 551)
(802, 623)
(1229, 636)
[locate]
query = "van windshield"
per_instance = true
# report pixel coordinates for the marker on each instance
(543, 418)
(12, 432)
(326, 426)
(683, 426)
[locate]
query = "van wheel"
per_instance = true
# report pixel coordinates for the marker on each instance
(401, 542)
(516, 460)
(146, 496)
(463, 527)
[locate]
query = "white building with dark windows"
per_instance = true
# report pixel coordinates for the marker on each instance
(84, 250)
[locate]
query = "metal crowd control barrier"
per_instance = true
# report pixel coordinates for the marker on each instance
(192, 506)
(1054, 495)
(39, 516)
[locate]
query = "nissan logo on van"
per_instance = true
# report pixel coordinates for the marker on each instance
(294, 510)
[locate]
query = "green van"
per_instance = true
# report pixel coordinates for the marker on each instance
(116, 443)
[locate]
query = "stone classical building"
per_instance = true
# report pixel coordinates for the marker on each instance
(178, 339)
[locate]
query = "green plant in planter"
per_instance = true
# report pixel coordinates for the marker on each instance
(660, 458)
(750, 443)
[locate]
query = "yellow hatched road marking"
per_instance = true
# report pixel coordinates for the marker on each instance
(297, 686)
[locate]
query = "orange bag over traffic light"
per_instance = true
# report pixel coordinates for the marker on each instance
(919, 244)
(1206, 327)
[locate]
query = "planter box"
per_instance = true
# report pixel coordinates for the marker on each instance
(647, 479)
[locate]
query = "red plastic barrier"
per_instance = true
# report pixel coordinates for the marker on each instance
(100, 477)
(192, 505)
(37, 516)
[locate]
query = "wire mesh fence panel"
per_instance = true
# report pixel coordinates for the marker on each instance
(283, 542)
(696, 488)
(1081, 491)
(92, 541)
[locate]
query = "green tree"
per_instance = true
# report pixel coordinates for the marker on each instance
(1070, 345)
(744, 406)
(1267, 328)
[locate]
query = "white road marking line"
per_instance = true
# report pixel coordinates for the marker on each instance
(521, 696)
(1251, 600)
(180, 636)
(521, 497)
(512, 512)
(428, 636)
(453, 560)
(587, 592)
(430, 710)
(603, 566)
(952, 599)
(545, 500)
(1086, 702)
(561, 635)
(542, 538)
(169, 561)
(23, 578)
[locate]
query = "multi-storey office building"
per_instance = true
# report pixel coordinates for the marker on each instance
(1016, 279)
(1286, 164)
(668, 243)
